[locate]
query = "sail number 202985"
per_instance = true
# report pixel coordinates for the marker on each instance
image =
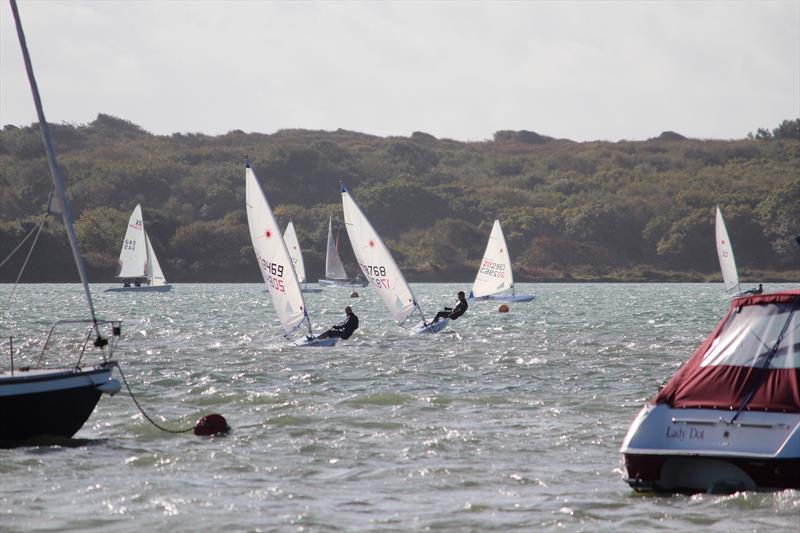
(495, 270)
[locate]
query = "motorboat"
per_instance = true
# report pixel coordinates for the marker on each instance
(729, 419)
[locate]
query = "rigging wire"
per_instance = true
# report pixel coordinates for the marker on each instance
(21, 242)
(38, 228)
(141, 409)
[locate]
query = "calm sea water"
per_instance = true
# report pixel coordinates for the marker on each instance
(502, 422)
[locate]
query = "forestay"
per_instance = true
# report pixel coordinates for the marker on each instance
(293, 245)
(377, 263)
(273, 257)
(133, 256)
(494, 274)
(725, 253)
(334, 269)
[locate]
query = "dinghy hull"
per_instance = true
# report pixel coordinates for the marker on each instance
(342, 283)
(507, 298)
(433, 327)
(153, 288)
(315, 342)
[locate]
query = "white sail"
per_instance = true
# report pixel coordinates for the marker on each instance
(494, 274)
(273, 257)
(376, 262)
(133, 256)
(293, 245)
(154, 273)
(334, 269)
(725, 253)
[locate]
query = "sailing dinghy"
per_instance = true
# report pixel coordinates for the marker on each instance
(139, 269)
(494, 275)
(40, 402)
(335, 274)
(276, 265)
(380, 270)
(727, 263)
(293, 245)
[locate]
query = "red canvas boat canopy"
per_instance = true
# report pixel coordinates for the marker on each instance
(754, 352)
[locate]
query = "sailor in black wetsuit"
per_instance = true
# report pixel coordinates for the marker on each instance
(454, 312)
(345, 329)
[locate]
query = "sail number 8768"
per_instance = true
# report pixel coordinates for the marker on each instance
(372, 270)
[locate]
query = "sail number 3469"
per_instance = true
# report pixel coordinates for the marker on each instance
(273, 274)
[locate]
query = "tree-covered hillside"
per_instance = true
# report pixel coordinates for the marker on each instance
(594, 210)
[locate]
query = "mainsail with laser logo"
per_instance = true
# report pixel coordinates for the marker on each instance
(276, 263)
(379, 267)
(494, 275)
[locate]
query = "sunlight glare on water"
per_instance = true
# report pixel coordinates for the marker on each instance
(501, 421)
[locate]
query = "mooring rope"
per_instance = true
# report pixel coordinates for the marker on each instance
(141, 409)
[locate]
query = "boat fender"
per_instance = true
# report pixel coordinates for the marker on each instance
(354, 294)
(110, 387)
(212, 424)
(502, 309)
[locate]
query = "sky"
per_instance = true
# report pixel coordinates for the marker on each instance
(460, 70)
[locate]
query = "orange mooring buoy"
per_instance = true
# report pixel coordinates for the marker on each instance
(502, 309)
(212, 424)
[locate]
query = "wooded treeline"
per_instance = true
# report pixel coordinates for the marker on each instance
(628, 210)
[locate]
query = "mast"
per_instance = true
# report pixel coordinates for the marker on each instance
(58, 182)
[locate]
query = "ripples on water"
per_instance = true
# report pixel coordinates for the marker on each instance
(503, 421)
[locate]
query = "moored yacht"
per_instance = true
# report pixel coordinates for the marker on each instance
(729, 419)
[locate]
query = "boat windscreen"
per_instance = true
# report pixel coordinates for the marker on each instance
(750, 334)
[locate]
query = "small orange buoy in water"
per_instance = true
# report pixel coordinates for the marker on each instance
(502, 309)
(354, 294)
(212, 424)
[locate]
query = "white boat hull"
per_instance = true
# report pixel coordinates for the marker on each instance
(143, 288)
(315, 342)
(433, 327)
(507, 298)
(310, 290)
(341, 283)
(705, 450)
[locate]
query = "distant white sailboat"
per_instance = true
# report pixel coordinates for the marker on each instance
(139, 269)
(727, 263)
(335, 274)
(276, 264)
(494, 275)
(380, 270)
(293, 245)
